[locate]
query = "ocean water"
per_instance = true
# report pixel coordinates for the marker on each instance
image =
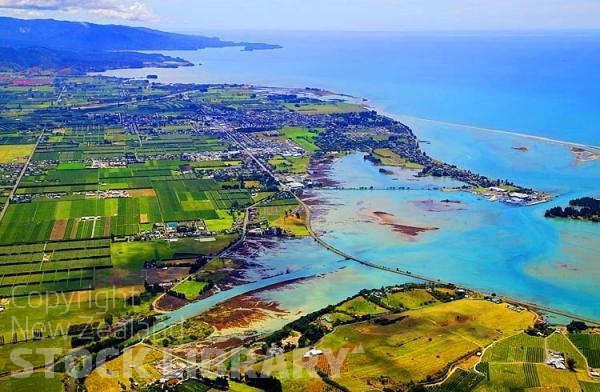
(543, 84)
(540, 83)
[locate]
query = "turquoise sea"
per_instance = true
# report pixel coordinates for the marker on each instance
(543, 84)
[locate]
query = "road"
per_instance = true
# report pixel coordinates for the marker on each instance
(21, 174)
(366, 263)
(129, 101)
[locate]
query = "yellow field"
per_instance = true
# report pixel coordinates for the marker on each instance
(423, 343)
(360, 306)
(292, 224)
(15, 153)
(390, 158)
(409, 299)
(276, 216)
(136, 363)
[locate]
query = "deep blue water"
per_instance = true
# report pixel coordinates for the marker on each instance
(540, 83)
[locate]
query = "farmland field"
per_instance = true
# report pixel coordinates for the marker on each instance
(284, 216)
(33, 382)
(460, 380)
(590, 386)
(185, 332)
(190, 288)
(176, 200)
(54, 266)
(360, 306)
(409, 299)
(519, 348)
(15, 153)
(142, 370)
(589, 344)
(421, 344)
(515, 364)
(390, 158)
(326, 108)
(301, 136)
(559, 342)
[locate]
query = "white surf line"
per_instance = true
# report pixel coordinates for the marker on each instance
(399, 117)
(509, 132)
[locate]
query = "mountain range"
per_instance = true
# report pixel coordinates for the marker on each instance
(82, 46)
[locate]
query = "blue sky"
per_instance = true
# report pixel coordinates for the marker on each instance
(322, 15)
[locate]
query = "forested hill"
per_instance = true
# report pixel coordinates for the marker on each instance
(79, 47)
(585, 208)
(50, 33)
(78, 62)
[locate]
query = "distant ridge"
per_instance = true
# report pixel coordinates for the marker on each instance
(50, 44)
(57, 34)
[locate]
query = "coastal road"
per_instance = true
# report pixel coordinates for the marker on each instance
(366, 263)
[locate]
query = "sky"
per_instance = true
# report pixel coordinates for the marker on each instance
(320, 15)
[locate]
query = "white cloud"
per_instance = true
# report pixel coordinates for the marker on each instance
(110, 9)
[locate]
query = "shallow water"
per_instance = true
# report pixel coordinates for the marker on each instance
(541, 84)
(481, 244)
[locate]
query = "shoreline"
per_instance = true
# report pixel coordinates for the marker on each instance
(565, 143)
(371, 105)
(383, 267)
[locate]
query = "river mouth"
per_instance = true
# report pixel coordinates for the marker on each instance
(466, 240)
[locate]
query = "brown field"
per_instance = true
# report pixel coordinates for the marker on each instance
(73, 234)
(143, 218)
(169, 303)
(249, 184)
(58, 230)
(157, 275)
(144, 192)
(107, 226)
(83, 297)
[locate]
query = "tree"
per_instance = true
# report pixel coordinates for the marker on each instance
(108, 319)
(576, 326)
(571, 364)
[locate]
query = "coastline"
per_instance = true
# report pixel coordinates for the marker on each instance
(499, 131)
(400, 117)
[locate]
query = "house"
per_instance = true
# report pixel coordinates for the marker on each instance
(327, 318)
(274, 350)
(312, 353)
(519, 195)
(295, 186)
(257, 231)
(557, 360)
